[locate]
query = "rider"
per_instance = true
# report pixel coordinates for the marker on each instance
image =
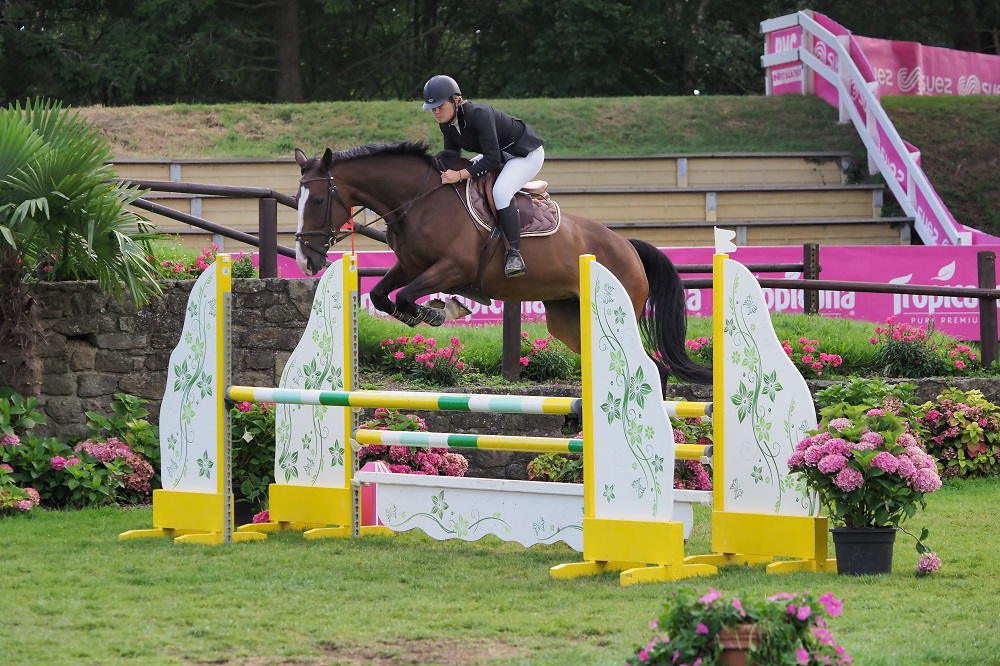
(500, 140)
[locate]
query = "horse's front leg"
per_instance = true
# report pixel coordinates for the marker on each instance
(439, 277)
(393, 280)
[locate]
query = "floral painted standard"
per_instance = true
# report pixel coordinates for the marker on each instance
(188, 458)
(309, 450)
(767, 403)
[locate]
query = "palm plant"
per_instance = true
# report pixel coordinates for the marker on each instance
(62, 217)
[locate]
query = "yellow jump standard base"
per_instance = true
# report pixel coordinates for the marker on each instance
(202, 515)
(630, 546)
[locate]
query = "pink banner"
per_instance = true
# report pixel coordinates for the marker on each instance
(905, 264)
(786, 78)
(909, 68)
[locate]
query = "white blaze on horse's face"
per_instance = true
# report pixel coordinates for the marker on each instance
(300, 257)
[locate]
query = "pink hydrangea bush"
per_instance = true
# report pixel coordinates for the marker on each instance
(421, 358)
(140, 471)
(409, 459)
(869, 470)
(691, 474)
(14, 499)
(962, 431)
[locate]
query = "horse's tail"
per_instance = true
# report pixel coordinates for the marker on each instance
(664, 324)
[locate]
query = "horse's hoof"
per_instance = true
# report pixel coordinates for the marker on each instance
(432, 316)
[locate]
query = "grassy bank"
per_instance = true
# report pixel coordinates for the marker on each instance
(956, 135)
(74, 594)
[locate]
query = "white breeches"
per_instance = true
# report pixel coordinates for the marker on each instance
(515, 174)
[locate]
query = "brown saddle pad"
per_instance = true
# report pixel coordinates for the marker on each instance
(545, 213)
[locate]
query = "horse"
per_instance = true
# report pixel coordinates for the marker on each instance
(438, 248)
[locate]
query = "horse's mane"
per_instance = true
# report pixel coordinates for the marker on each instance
(415, 148)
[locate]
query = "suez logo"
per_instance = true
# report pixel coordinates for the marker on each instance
(898, 169)
(924, 304)
(784, 299)
(914, 81)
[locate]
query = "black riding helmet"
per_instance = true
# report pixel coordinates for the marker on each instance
(438, 90)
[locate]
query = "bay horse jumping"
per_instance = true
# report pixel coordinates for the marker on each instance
(438, 247)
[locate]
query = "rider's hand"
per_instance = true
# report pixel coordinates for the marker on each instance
(451, 176)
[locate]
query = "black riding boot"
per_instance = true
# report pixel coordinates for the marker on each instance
(510, 223)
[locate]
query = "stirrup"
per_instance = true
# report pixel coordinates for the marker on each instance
(513, 264)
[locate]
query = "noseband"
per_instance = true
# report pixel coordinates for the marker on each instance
(330, 237)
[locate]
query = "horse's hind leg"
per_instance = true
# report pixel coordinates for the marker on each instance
(562, 318)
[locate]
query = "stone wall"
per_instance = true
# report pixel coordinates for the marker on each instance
(96, 347)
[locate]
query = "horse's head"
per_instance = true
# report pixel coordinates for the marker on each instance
(322, 211)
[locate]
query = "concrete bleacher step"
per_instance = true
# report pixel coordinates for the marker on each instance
(771, 198)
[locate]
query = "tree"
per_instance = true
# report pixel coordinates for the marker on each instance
(61, 218)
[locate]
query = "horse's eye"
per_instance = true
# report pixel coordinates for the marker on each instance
(316, 201)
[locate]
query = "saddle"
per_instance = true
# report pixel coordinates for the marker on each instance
(540, 215)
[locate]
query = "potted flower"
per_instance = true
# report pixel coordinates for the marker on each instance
(871, 473)
(712, 629)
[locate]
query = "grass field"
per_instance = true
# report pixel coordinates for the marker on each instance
(74, 594)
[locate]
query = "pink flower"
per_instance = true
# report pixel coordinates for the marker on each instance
(10, 440)
(245, 406)
(802, 655)
(738, 606)
(839, 423)
(926, 480)
(6, 467)
(885, 461)
(72, 461)
(399, 356)
(58, 463)
(25, 505)
(803, 613)
(849, 479)
(262, 517)
(832, 605)
(832, 463)
(796, 460)
(813, 455)
(712, 595)
(701, 629)
(928, 563)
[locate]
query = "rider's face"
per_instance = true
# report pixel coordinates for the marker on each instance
(445, 113)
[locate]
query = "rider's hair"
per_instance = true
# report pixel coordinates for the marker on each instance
(458, 100)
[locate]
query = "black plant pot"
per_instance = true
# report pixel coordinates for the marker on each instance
(863, 551)
(243, 511)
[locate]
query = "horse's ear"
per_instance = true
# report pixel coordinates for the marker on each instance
(327, 159)
(300, 157)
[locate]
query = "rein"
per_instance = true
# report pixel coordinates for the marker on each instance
(333, 237)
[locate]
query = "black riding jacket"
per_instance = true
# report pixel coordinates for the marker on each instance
(490, 132)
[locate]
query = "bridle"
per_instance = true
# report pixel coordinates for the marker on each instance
(331, 237)
(328, 236)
